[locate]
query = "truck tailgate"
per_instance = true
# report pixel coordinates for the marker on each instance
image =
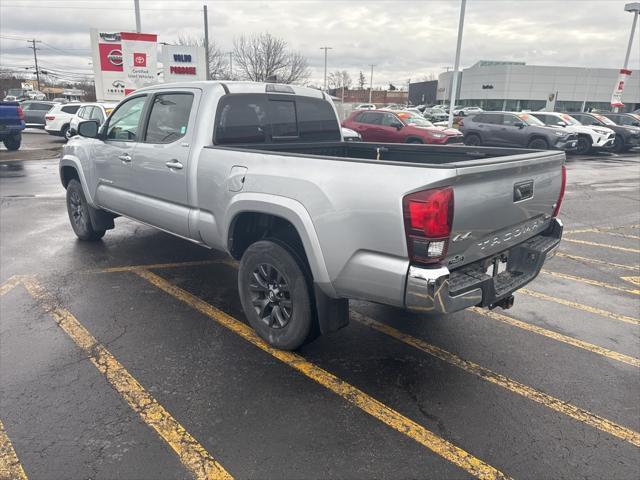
(501, 204)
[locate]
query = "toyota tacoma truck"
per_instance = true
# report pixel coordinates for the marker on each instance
(261, 171)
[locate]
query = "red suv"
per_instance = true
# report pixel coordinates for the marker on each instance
(399, 127)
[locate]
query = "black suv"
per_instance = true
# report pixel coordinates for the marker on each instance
(627, 135)
(511, 129)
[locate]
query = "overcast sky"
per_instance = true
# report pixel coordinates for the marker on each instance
(404, 39)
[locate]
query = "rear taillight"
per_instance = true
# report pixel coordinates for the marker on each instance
(20, 113)
(428, 216)
(556, 210)
(50, 117)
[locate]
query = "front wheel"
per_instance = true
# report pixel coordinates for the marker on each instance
(618, 144)
(539, 144)
(13, 142)
(78, 211)
(584, 145)
(472, 140)
(275, 295)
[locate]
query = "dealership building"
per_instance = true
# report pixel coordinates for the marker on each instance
(515, 86)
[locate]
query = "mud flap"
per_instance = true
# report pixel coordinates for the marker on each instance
(100, 220)
(333, 313)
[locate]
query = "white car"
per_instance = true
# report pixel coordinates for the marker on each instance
(58, 118)
(350, 135)
(590, 137)
(366, 106)
(90, 111)
(464, 111)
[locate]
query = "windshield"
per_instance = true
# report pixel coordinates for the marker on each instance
(569, 120)
(530, 119)
(409, 118)
(604, 119)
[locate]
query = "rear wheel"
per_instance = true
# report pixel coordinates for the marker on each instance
(65, 132)
(584, 145)
(538, 144)
(472, 140)
(275, 295)
(13, 142)
(78, 211)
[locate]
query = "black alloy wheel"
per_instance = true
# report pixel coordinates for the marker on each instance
(270, 296)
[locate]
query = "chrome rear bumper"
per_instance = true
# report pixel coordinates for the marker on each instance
(439, 290)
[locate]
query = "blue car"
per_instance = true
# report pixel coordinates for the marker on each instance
(11, 124)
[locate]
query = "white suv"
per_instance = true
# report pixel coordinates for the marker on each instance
(90, 111)
(589, 137)
(58, 118)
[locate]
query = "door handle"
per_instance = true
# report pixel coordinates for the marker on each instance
(125, 157)
(174, 164)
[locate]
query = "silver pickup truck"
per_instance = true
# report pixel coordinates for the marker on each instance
(261, 171)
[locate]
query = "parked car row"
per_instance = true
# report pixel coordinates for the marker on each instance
(62, 120)
(582, 132)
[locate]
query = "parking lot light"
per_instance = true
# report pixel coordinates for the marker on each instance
(635, 8)
(456, 65)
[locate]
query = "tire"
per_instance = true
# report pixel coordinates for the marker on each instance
(275, 295)
(584, 145)
(13, 142)
(78, 211)
(618, 144)
(538, 144)
(473, 140)
(65, 132)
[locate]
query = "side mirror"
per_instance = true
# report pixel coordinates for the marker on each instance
(88, 129)
(519, 124)
(636, 124)
(562, 124)
(398, 126)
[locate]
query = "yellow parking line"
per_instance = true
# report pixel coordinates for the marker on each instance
(513, 386)
(9, 284)
(580, 306)
(10, 466)
(589, 281)
(192, 455)
(610, 354)
(633, 268)
(603, 231)
(601, 245)
(153, 266)
(353, 395)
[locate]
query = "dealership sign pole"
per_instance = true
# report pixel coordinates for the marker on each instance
(616, 97)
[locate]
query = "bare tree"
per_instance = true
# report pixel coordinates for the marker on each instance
(218, 65)
(339, 79)
(263, 57)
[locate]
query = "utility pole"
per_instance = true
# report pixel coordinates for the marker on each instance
(206, 41)
(456, 65)
(371, 82)
(325, 64)
(35, 60)
(635, 9)
(136, 6)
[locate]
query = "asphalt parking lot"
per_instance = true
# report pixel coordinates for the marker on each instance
(129, 358)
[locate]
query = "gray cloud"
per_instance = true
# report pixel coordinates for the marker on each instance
(405, 39)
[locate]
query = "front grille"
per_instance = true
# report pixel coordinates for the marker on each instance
(457, 139)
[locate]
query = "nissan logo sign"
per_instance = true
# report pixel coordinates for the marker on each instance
(115, 57)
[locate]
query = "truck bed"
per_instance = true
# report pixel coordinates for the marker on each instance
(411, 154)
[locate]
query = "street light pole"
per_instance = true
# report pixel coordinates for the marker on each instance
(371, 82)
(325, 64)
(206, 42)
(456, 65)
(635, 8)
(136, 6)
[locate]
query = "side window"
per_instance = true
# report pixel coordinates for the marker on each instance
(510, 120)
(241, 119)
(621, 119)
(96, 114)
(72, 109)
(42, 107)
(169, 117)
(124, 121)
(82, 112)
(586, 120)
(371, 118)
(389, 120)
(282, 116)
(490, 118)
(316, 120)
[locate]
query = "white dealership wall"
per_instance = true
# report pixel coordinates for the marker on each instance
(486, 81)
